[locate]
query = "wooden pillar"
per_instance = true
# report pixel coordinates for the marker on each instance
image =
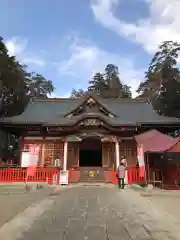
(65, 154)
(21, 148)
(43, 155)
(117, 152)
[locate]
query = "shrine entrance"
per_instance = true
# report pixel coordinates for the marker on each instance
(90, 153)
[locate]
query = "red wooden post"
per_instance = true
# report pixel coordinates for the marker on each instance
(129, 175)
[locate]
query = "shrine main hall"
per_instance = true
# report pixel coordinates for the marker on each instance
(86, 132)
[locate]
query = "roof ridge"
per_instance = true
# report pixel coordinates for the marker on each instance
(51, 99)
(133, 100)
(128, 100)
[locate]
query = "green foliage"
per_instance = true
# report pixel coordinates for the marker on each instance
(78, 93)
(98, 83)
(17, 85)
(162, 80)
(107, 84)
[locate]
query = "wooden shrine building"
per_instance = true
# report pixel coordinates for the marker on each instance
(86, 132)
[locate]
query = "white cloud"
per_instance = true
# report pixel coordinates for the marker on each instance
(18, 47)
(162, 24)
(86, 59)
(35, 61)
(57, 95)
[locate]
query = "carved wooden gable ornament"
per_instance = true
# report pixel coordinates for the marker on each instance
(91, 122)
(91, 106)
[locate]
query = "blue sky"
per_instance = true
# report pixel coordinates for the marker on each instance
(68, 41)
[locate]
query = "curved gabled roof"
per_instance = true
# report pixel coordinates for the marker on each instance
(54, 111)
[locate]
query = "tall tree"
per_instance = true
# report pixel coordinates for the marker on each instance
(78, 93)
(116, 89)
(17, 87)
(112, 76)
(106, 85)
(111, 70)
(162, 79)
(126, 92)
(167, 99)
(38, 86)
(97, 84)
(12, 80)
(164, 58)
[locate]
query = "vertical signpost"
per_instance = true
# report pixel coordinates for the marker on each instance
(33, 161)
(140, 156)
(64, 177)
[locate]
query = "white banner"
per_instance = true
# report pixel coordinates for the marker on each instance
(25, 159)
(63, 177)
(28, 160)
(31, 157)
(140, 155)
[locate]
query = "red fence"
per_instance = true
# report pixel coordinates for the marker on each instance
(46, 174)
(133, 176)
(19, 175)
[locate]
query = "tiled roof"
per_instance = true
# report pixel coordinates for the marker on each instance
(53, 111)
(154, 141)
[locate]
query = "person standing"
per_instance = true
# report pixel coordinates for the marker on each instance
(121, 175)
(124, 161)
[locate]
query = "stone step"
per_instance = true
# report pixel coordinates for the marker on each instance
(95, 178)
(87, 176)
(91, 181)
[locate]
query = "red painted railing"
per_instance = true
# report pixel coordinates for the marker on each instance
(19, 175)
(133, 176)
(46, 174)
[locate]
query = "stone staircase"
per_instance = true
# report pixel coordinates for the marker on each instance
(91, 174)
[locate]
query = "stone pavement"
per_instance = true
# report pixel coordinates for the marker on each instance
(11, 205)
(88, 213)
(168, 202)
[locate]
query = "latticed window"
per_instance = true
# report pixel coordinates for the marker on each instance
(52, 151)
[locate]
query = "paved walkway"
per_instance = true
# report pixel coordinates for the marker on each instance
(11, 205)
(92, 213)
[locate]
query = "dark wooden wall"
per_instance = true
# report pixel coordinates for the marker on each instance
(128, 149)
(108, 154)
(49, 149)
